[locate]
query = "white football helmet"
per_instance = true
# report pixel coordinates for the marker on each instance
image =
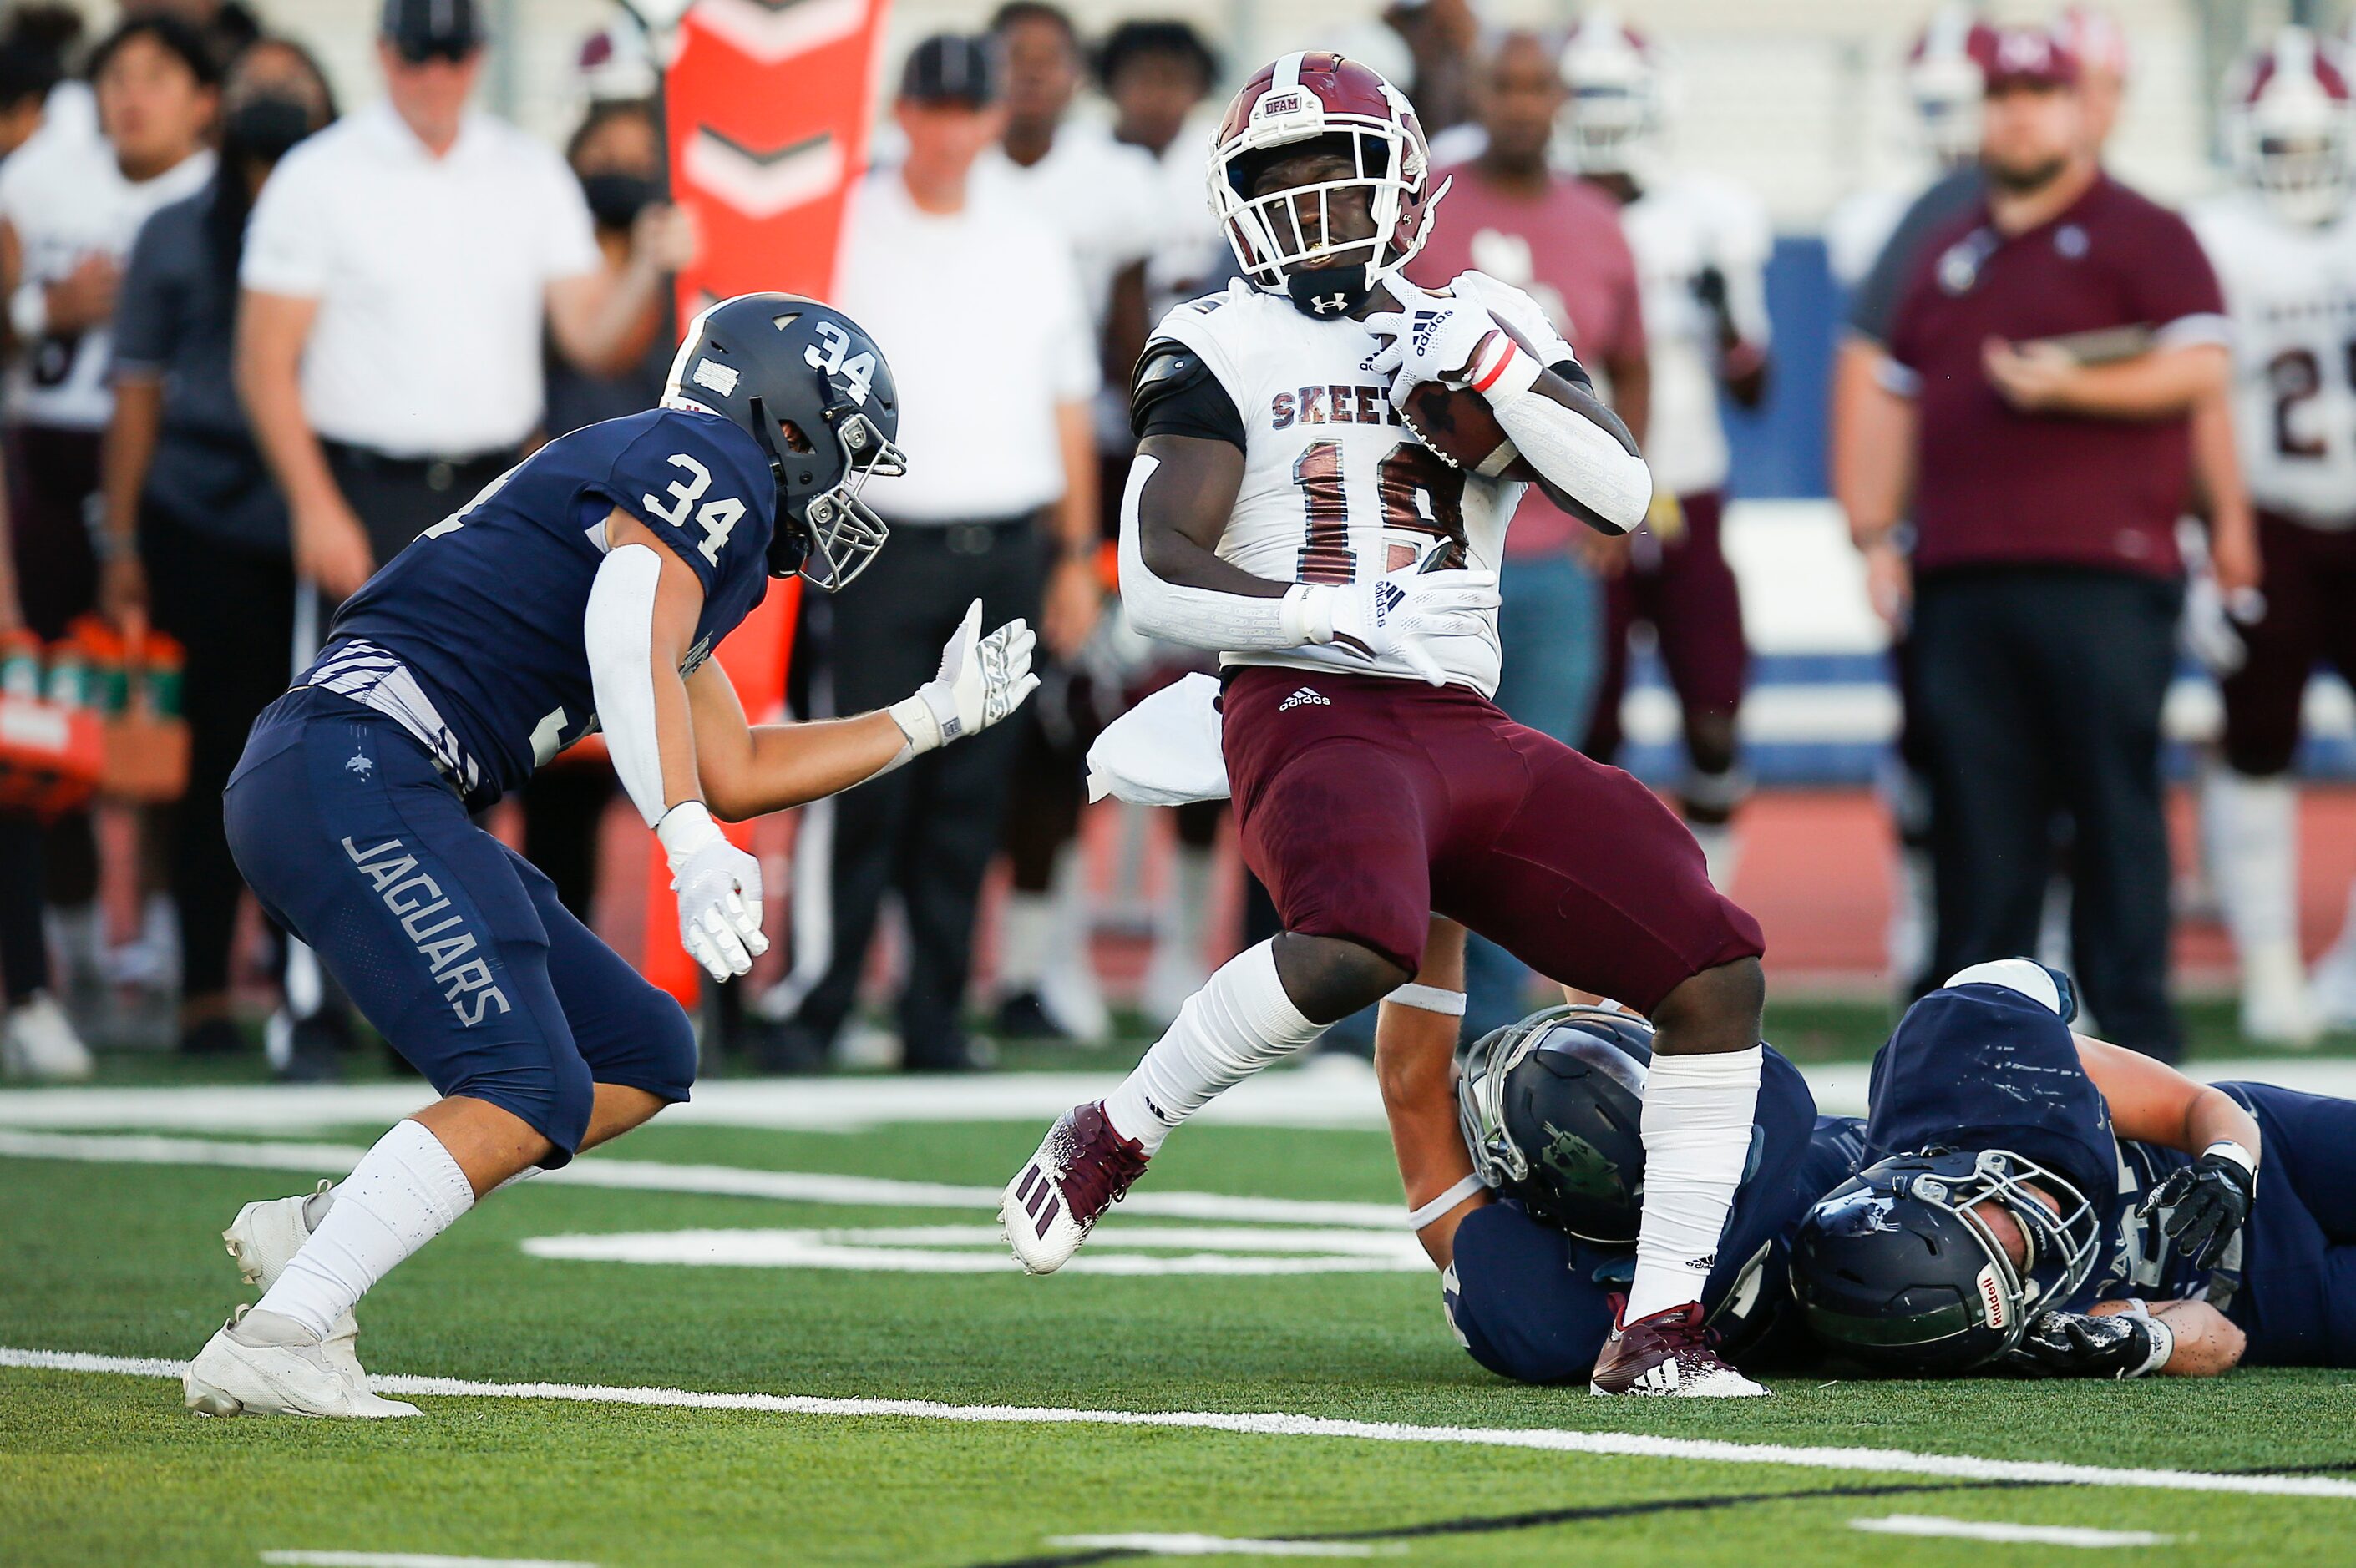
(2289, 122)
(1945, 84)
(1615, 109)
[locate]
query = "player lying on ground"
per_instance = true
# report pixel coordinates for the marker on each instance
(2043, 1203)
(1281, 514)
(1522, 1162)
(586, 589)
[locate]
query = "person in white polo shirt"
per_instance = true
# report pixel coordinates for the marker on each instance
(975, 298)
(397, 277)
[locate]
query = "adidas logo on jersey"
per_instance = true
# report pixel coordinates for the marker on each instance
(1304, 697)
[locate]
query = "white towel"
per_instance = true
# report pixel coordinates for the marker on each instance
(1165, 750)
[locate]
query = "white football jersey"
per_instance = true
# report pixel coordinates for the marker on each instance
(67, 198)
(2290, 291)
(1677, 230)
(1335, 488)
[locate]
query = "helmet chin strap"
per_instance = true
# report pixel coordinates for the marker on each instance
(1329, 294)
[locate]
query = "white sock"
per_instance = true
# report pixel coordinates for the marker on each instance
(2252, 831)
(1240, 1022)
(1189, 910)
(404, 1192)
(1696, 1127)
(1720, 852)
(1025, 931)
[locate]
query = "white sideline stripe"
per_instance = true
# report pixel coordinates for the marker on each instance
(1313, 1099)
(1543, 1439)
(411, 1560)
(2033, 1534)
(1224, 1546)
(720, 1180)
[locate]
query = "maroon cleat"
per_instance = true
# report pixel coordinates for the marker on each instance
(1667, 1355)
(1083, 1168)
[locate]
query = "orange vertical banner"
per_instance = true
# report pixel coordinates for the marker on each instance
(767, 107)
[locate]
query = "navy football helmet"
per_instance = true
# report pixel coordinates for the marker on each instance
(1898, 1269)
(1552, 1109)
(813, 389)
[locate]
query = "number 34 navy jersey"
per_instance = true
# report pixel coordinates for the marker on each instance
(483, 612)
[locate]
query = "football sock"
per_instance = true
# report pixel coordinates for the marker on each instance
(2252, 831)
(1720, 852)
(404, 1192)
(1696, 1127)
(1240, 1022)
(1025, 931)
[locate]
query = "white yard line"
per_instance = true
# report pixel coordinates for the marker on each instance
(1123, 1248)
(2029, 1534)
(1620, 1444)
(410, 1559)
(1310, 1098)
(1155, 1545)
(720, 1180)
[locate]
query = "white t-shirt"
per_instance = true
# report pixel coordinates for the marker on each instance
(1102, 195)
(2290, 294)
(1677, 228)
(431, 274)
(1335, 488)
(981, 317)
(67, 198)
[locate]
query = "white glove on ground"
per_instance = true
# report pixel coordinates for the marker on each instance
(982, 679)
(1431, 339)
(1397, 616)
(719, 889)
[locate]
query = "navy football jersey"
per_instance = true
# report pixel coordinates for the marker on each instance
(484, 610)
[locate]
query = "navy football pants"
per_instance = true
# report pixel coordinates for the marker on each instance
(452, 944)
(2298, 1300)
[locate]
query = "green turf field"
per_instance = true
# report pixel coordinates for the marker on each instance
(112, 1258)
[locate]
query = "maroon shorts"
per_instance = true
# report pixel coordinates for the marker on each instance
(1686, 589)
(2310, 586)
(1368, 804)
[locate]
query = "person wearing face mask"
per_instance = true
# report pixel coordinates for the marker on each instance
(197, 530)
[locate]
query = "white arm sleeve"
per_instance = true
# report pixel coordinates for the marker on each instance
(1203, 618)
(619, 631)
(1581, 457)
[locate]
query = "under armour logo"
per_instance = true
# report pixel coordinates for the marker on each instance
(361, 764)
(1326, 305)
(1304, 697)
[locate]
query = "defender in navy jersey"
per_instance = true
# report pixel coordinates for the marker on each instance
(584, 590)
(1523, 1163)
(2039, 1202)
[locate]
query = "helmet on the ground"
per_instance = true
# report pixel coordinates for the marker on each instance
(1552, 1110)
(807, 383)
(1615, 107)
(1945, 84)
(1322, 102)
(2289, 122)
(1900, 1269)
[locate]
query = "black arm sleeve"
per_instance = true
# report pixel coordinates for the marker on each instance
(1572, 372)
(1174, 393)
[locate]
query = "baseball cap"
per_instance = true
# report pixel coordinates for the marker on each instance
(2034, 56)
(432, 30)
(951, 67)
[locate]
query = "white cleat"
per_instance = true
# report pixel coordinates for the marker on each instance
(2276, 1009)
(1669, 1355)
(262, 1364)
(263, 1238)
(1083, 1168)
(37, 1041)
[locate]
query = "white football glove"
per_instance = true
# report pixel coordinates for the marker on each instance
(1399, 615)
(982, 679)
(1431, 338)
(719, 889)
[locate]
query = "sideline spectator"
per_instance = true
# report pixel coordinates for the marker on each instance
(616, 154)
(69, 208)
(1511, 215)
(398, 272)
(978, 305)
(2047, 469)
(196, 530)
(1100, 196)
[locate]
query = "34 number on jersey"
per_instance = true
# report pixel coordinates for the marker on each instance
(1420, 493)
(718, 518)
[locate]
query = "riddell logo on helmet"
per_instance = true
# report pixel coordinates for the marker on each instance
(1992, 1297)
